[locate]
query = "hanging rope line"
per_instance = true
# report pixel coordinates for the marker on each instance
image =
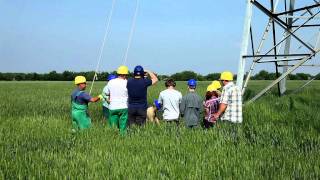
(107, 29)
(131, 33)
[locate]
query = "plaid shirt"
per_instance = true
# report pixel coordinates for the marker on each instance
(211, 106)
(231, 96)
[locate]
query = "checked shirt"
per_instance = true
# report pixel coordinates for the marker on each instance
(231, 95)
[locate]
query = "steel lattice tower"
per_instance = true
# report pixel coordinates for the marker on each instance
(288, 24)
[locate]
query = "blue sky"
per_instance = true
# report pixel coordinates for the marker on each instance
(170, 35)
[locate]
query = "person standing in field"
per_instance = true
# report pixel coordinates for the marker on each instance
(191, 106)
(106, 98)
(137, 92)
(170, 100)
(79, 101)
(118, 108)
(211, 104)
(230, 108)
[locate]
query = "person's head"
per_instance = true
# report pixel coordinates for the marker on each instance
(192, 84)
(111, 76)
(211, 94)
(123, 72)
(170, 83)
(81, 82)
(226, 77)
(138, 72)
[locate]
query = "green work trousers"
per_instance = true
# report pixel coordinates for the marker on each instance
(80, 117)
(119, 118)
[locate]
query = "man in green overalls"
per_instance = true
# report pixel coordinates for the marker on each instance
(79, 101)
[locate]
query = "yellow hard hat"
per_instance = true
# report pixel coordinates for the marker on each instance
(226, 75)
(79, 80)
(211, 88)
(123, 70)
(216, 84)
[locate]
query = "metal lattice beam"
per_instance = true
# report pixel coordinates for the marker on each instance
(287, 20)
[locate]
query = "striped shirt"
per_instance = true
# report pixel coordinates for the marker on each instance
(211, 106)
(231, 96)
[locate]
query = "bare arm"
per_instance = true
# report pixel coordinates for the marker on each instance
(222, 108)
(96, 99)
(153, 77)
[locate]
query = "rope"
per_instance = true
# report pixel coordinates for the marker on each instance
(131, 33)
(107, 29)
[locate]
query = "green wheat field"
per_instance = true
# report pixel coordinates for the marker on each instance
(279, 139)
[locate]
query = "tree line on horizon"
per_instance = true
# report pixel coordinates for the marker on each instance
(101, 76)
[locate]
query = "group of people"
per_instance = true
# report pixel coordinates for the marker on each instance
(125, 101)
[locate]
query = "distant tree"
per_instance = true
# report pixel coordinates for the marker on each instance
(200, 77)
(212, 76)
(265, 75)
(176, 76)
(303, 76)
(36, 76)
(19, 77)
(115, 72)
(67, 76)
(184, 76)
(31, 76)
(163, 77)
(9, 76)
(102, 76)
(89, 75)
(54, 76)
(292, 77)
(272, 76)
(262, 75)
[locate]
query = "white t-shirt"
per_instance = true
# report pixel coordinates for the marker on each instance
(117, 90)
(170, 100)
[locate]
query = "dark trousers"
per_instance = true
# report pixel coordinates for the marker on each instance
(137, 116)
(176, 121)
(105, 112)
(207, 124)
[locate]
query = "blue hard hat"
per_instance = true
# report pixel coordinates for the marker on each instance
(157, 104)
(111, 76)
(138, 71)
(192, 83)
